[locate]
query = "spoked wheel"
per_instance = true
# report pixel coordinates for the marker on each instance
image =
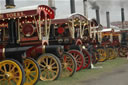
(78, 57)
(88, 59)
(11, 73)
(111, 53)
(102, 54)
(50, 67)
(68, 65)
(122, 51)
(32, 71)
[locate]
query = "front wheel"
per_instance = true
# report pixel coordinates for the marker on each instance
(50, 67)
(78, 57)
(88, 59)
(32, 71)
(11, 72)
(102, 54)
(68, 65)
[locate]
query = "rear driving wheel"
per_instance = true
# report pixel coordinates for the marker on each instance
(102, 54)
(50, 67)
(111, 53)
(11, 72)
(68, 65)
(32, 71)
(78, 57)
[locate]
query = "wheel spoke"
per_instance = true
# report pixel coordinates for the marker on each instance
(42, 65)
(53, 63)
(54, 67)
(31, 68)
(9, 82)
(12, 68)
(32, 75)
(50, 61)
(47, 61)
(5, 69)
(65, 58)
(29, 78)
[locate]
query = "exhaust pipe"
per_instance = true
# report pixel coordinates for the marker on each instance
(51, 3)
(10, 4)
(108, 19)
(72, 4)
(123, 40)
(97, 16)
(85, 8)
(122, 17)
(11, 24)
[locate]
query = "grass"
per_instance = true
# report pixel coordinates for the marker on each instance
(86, 74)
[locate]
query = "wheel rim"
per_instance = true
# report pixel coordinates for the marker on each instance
(78, 57)
(102, 55)
(49, 67)
(68, 65)
(31, 71)
(87, 59)
(10, 73)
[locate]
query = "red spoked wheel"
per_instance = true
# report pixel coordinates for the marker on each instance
(87, 57)
(78, 57)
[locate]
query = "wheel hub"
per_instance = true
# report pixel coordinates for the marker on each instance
(8, 75)
(65, 65)
(27, 71)
(49, 67)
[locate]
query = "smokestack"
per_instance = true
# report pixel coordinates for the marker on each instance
(97, 16)
(108, 19)
(11, 24)
(123, 40)
(72, 3)
(51, 3)
(85, 8)
(10, 4)
(122, 17)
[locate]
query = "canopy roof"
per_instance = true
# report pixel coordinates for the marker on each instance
(70, 17)
(27, 11)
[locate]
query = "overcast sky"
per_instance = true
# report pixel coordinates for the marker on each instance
(63, 7)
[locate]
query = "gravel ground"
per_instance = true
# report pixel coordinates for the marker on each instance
(118, 76)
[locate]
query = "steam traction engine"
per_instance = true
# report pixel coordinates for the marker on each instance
(69, 32)
(21, 40)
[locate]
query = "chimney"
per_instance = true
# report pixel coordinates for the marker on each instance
(51, 3)
(72, 4)
(123, 40)
(122, 17)
(108, 19)
(85, 8)
(97, 16)
(11, 24)
(10, 4)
